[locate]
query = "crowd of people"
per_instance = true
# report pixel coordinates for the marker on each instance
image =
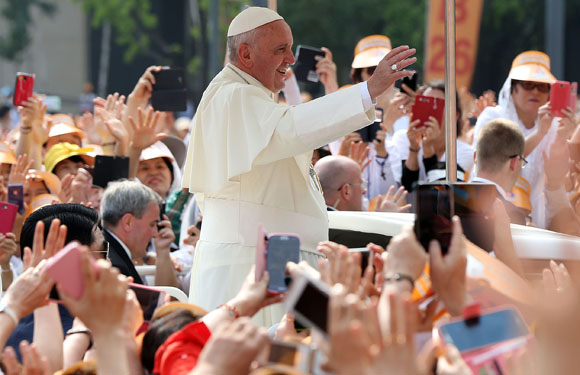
(194, 192)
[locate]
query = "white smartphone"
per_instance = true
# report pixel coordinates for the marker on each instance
(308, 300)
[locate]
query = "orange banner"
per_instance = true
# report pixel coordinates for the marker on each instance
(468, 19)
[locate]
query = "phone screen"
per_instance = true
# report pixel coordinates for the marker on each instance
(313, 305)
(488, 329)
(149, 299)
(281, 250)
(433, 215)
(16, 196)
(473, 203)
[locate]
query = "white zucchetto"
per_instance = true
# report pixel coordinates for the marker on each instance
(252, 18)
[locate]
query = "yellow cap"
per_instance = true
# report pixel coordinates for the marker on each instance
(532, 66)
(40, 201)
(50, 180)
(6, 154)
(63, 151)
(63, 124)
(369, 51)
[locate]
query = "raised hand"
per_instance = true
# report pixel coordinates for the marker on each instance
(390, 69)
(33, 363)
(144, 129)
(326, 69)
(340, 267)
(32, 116)
(393, 202)
(347, 141)
(448, 272)
(41, 250)
(359, 152)
(19, 170)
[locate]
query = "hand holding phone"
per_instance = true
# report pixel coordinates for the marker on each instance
(425, 107)
(308, 300)
(16, 196)
(8, 213)
(169, 91)
(65, 269)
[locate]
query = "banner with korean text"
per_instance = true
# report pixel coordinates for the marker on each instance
(468, 20)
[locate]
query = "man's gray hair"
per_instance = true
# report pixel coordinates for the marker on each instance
(234, 42)
(124, 197)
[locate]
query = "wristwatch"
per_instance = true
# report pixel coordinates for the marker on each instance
(396, 277)
(8, 311)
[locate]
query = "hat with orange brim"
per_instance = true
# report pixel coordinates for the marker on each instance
(369, 51)
(532, 66)
(7, 156)
(40, 201)
(50, 180)
(63, 124)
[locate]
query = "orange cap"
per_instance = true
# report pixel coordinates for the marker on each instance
(532, 66)
(40, 201)
(369, 51)
(6, 154)
(63, 124)
(51, 180)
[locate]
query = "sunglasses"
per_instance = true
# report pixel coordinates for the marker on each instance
(529, 86)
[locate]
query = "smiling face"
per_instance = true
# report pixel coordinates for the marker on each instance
(155, 174)
(270, 57)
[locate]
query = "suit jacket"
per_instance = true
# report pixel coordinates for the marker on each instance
(120, 259)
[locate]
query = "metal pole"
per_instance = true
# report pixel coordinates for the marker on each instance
(555, 25)
(450, 90)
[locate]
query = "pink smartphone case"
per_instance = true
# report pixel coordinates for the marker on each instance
(65, 269)
(7, 215)
(261, 245)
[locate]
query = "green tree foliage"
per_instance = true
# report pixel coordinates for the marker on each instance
(17, 15)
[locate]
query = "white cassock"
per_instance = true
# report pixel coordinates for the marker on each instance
(248, 162)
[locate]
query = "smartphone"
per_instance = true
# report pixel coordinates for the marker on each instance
(16, 196)
(411, 82)
(169, 91)
(149, 298)
(364, 258)
(306, 59)
(369, 132)
(281, 249)
(433, 212)
(426, 106)
(284, 353)
(8, 213)
(161, 213)
(65, 269)
(473, 203)
(490, 328)
(308, 300)
(109, 168)
(23, 88)
(261, 244)
(560, 93)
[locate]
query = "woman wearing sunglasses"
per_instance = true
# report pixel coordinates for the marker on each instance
(524, 100)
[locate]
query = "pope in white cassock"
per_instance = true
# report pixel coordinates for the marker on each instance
(249, 158)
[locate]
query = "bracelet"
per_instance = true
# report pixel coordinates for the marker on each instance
(6, 271)
(414, 149)
(84, 331)
(108, 144)
(396, 277)
(233, 309)
(25, 129)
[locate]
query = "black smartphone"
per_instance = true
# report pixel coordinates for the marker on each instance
(281, 250)
(149, 299)
(411, 82)
(308, 301)
(169, 91)
(161, 213)
(369, 132)
(16, 196)
(473, 203)
(306, 59)
(433, 212)
(109, 168)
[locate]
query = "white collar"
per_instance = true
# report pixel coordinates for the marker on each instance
(486, 181)
(122, 244)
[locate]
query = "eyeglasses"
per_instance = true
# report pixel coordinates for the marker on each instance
(529, 86)
(524, 161)
(364, 184)
(105, 252)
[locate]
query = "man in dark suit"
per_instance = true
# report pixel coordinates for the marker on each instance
(499, 160)
(130, 214)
